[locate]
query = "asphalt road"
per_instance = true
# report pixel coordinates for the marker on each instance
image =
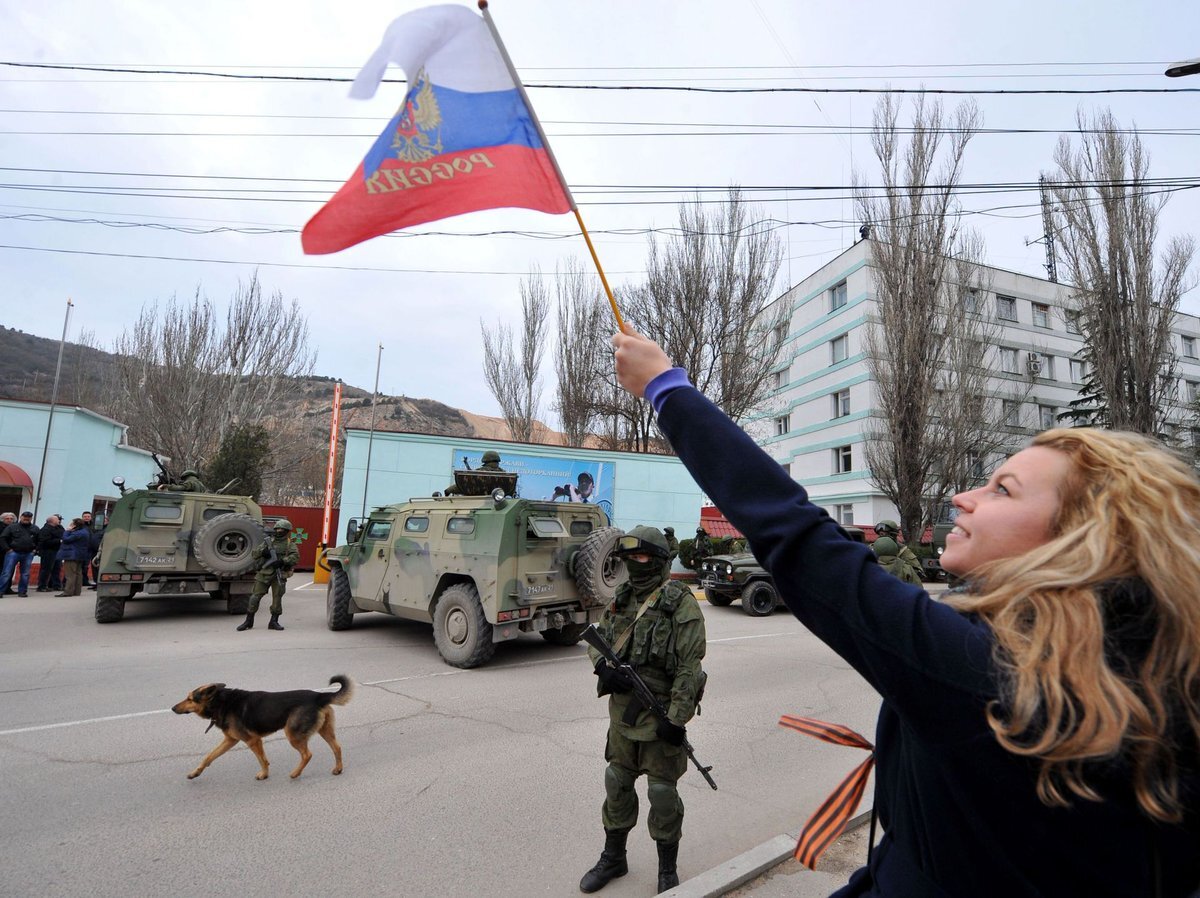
(456, 783)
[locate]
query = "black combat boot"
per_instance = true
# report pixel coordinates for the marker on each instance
(274, 623)
(611, 864)
(668, 853)
(248, 623)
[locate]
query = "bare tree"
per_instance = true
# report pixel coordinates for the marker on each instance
(579, 350)
(1126, 301)
(513, 372)
(924, 268)
(182, 379)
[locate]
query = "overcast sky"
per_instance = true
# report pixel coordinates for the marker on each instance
(201, 155)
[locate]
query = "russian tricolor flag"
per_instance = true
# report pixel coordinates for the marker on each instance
(463, 140)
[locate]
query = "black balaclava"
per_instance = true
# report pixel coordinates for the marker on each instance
(645, 576)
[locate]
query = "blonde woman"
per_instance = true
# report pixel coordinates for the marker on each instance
(1039, 731)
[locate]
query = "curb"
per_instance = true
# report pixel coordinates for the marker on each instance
(748, 865)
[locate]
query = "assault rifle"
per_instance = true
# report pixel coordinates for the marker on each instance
(642, 692)
(273, 560)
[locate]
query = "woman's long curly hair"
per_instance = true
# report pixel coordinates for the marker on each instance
(1128, 525)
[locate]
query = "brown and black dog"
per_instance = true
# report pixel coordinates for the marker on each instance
(249, 716)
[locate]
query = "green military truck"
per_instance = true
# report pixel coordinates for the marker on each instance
(740, 576)
(164, 543)
(481, 567)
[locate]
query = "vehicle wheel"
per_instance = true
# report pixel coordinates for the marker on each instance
(597, 572)
(460, 631)
(338, 615)
(759, 598)
(720, 599)
(109, 609)
(568, 635)
(225, 545)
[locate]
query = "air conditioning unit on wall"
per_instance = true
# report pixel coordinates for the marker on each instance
(1033, 363)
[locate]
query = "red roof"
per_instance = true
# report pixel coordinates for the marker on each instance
(715, 523)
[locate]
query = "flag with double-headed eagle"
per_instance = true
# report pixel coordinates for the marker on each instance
(464, 139)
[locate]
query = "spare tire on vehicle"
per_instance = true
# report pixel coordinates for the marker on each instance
(597, 571)
(225, 545)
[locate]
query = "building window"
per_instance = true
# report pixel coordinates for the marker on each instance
(1046, 416)
(841, 403)
(781, 332)
(975, 464)
(842, 462)
(837, 297)
(1193, 390)
(839, 348)
(1073, 323)
(844, 514)
(779, 379)
(1010, 412)
(1006, 308)
(1041, 314)
(787, 467)
(1079, 370)
(1008, 360)
(1047, 366)
(971, 301)
(1170, 387)
(782, 425)
(1189, 346)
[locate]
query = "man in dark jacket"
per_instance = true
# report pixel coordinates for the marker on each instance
(20, 542)
(95, 534)
(49, 541)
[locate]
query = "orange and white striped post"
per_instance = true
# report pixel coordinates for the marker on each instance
(321, 573)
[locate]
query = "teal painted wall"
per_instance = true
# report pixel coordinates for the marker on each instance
(85, 453)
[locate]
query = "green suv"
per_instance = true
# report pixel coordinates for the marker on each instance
(481, 567)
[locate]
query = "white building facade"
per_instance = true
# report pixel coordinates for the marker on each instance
(816, 419)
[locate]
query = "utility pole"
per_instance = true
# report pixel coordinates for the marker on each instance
(1048, 230)
(50, 417)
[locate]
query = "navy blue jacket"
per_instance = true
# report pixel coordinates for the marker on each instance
(960, 813)
(74, 546)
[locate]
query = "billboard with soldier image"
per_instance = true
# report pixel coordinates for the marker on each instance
(550, 479)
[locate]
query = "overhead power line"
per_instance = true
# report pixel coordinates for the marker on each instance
(241, 76)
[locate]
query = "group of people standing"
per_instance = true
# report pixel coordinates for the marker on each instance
(64, 553)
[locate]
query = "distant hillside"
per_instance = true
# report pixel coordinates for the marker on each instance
(27, 372)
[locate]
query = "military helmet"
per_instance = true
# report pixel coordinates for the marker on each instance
(491, 457)
(701, 530)
(643, 540)
(887, 528)
(668, 531)
(190, 472)
(282, 524)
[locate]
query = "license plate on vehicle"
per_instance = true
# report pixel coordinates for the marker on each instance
(143, 560)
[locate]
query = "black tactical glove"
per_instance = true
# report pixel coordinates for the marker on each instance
(612, 680)
(670, 733)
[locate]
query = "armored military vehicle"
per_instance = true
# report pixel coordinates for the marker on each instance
(482, 567)
(729, 577)
(163, 543)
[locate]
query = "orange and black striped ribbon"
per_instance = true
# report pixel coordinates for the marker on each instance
(828, 821)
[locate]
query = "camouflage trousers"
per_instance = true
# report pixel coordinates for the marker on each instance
(261, 585)
(663, 764)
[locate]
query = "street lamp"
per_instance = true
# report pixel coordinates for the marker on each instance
(1187, 67)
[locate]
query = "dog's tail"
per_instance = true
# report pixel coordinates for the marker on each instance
(344, 694)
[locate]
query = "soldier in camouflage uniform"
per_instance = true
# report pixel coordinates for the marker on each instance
(701, 546)
(657, 626)
(672, 543)
(269, 575)
(490, 462)
(189, 482)
(908, 566)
